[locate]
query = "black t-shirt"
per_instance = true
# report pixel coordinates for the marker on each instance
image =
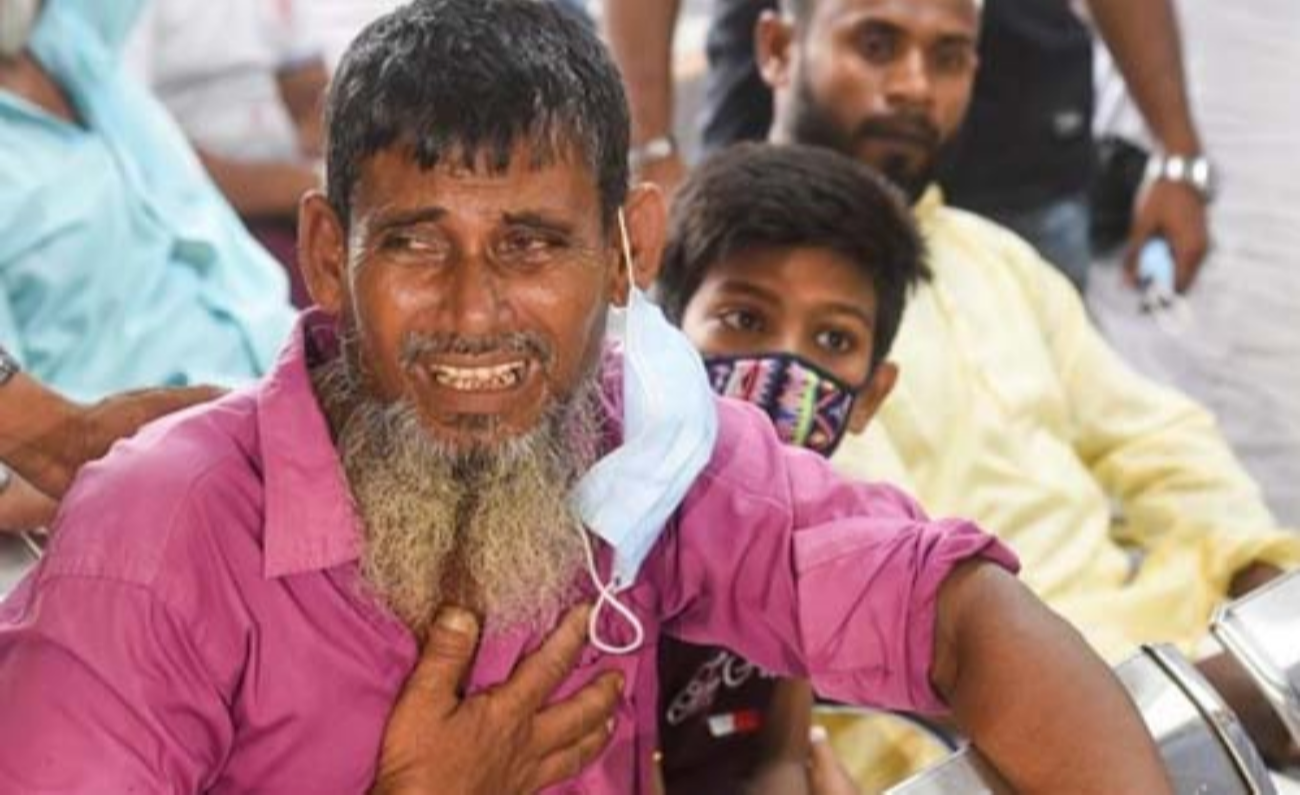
(737, 103)
(1027, 138)
(713, 706)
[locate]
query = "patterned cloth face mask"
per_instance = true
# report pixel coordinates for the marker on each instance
(809, 406)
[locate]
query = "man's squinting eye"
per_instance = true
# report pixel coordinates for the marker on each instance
(531, 244)
(741, 320)
(412, 242)
(836, 340)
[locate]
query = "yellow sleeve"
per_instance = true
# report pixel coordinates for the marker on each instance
(1158, 454)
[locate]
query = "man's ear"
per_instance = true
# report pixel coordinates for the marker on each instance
(774, 42)
(647, 220)
(872, 395)
(322, 252)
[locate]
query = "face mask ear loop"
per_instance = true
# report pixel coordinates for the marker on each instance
(607, 597)
(607, 591)
(627, 255)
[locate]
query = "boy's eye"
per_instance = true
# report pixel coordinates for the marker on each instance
(741, 320)
(835, 340)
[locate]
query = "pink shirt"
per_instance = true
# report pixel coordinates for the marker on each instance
(197, 625)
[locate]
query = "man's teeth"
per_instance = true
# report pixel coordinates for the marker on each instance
(475, 379)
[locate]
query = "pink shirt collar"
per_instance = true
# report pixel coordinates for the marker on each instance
(311, 524)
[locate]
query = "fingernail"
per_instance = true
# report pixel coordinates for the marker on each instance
(818, 734)
(455, 619)
(609, 725)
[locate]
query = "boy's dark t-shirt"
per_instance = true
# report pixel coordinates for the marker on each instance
(713, 705)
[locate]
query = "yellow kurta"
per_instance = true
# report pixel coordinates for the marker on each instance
(1011, 410)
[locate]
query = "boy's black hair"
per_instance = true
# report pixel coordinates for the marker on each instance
(466, 81)
(763, 196)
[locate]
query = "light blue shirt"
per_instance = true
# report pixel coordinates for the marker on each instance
(121, 264)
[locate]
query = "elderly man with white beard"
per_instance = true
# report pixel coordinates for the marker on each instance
(234, 598)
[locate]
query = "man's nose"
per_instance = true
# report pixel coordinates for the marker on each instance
(909, 81)
(475, 298)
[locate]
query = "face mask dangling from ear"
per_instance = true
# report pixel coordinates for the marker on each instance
(670, 425)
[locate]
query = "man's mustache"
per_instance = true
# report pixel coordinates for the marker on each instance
(416, 347)
(916, 130)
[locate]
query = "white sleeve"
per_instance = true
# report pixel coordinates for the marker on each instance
(292, 34)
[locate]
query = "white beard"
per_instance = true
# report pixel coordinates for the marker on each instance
(492, 530)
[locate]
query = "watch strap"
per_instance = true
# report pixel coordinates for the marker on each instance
(1194, 171)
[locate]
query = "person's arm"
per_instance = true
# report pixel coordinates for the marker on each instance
(46, 438)
(261, 189)
(785, 742)
(105, 689)
(808, 575)
(302, 90)
(1144, 40)
(23, 508)
(1181, 490)
(1188, 505)
(1032, 696)
(38, 432)
(826, 773)
(272, 189)
(640, 35)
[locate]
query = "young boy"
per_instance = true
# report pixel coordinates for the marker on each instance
(788, 267)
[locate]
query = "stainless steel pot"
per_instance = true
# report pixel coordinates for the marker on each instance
(1204, 747)
(1262, 631)
(18, 554)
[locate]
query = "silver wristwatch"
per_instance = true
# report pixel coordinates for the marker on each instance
(1195, 171)
(9, 366)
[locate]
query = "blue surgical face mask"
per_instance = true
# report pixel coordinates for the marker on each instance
(670, 424)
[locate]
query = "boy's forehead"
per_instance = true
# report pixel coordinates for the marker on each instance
(811, 277)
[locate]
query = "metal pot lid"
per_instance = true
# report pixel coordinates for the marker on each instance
(1205, 750)
(1196, 769)
(19, 554)
(1262, 631)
